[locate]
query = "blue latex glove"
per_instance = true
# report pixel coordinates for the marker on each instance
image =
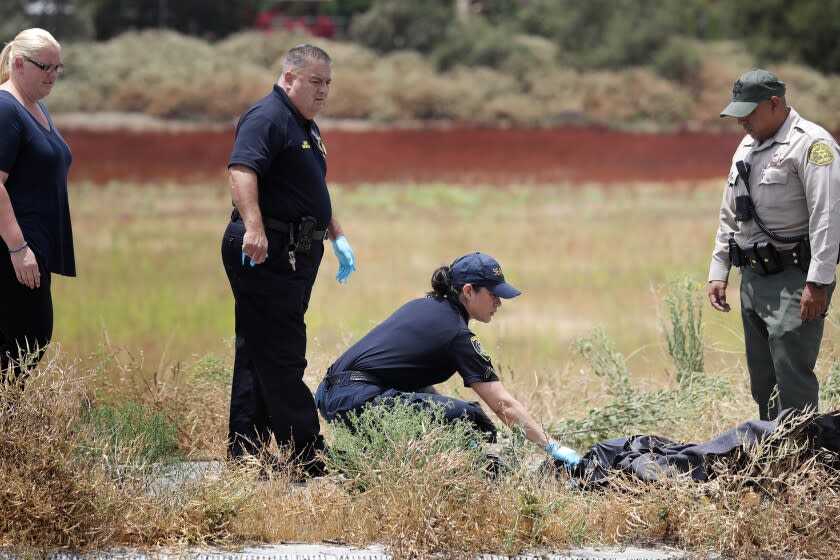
(561, 453)
(346, 260)
(253, 262)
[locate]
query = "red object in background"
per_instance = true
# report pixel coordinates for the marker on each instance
(321, 26)
(324, 27)
(461, 155)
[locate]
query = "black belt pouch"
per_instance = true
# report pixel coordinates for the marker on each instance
(768, 260)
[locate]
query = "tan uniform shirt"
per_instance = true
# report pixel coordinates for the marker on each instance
(795, 186)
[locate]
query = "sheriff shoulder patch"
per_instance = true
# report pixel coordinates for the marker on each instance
(479, 349)
(820, 154)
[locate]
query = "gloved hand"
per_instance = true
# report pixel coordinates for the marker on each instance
(253, 262)
(346, 260)
(564, 454)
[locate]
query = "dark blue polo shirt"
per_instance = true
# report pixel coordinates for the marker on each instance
(37, 161)
(284, 149)
(422, 343)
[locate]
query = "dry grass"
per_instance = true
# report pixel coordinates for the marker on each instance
(776, 499)
(63, 485)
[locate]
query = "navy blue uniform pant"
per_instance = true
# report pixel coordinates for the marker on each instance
(336, 400)
(268, 394)
(26, 318)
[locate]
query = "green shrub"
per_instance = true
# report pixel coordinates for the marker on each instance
(678, 60)
(605, 33)
(684, 336)
(477, 43)
(400, 436)
(632, 410)
(394, 25)
(212, 369)
(150, 436)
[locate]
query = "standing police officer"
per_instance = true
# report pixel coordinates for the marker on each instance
(271, 250)
(780, 223)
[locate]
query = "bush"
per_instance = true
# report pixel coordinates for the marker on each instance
(477, 43)
(420, 477)
(684, 335)
(150, 435)
(804, 32)
(633, 411)
(678, 60)
(398, 437)
(395, 25)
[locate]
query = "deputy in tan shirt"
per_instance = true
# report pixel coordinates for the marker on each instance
(780, 224)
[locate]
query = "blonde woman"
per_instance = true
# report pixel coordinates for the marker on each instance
(37, 239)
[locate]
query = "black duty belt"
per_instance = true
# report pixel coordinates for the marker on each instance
(766, 261)
(353, 376)
(281, 226)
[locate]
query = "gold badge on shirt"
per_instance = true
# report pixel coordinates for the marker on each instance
(318, 142)
(820, 154)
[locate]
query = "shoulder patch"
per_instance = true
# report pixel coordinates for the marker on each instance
(479, 349)
(820, 153)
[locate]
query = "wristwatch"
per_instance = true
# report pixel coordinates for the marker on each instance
(817, 284)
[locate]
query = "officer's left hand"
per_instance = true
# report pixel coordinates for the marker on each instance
(567, 456)
(813, 302)
(346, 259)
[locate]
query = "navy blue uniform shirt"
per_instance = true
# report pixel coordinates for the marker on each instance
(37, 161)
(285, 151)
(422, 343)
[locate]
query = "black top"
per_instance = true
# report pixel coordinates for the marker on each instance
(37, 161)
(285, 151)
(422, 343)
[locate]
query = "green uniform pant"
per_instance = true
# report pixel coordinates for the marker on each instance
(781, 349)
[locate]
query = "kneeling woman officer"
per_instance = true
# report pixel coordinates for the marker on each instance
(425, 342)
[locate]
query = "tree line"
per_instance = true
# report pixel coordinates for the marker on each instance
(588, 33)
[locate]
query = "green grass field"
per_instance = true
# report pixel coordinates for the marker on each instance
(151, 280)
(150, 277)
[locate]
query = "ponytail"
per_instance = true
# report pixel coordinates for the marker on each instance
(442, 286)
(6, 62)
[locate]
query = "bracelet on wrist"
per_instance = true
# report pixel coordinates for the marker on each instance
(19, 249)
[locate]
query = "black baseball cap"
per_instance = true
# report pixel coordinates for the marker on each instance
(750, 89)
(479, 269)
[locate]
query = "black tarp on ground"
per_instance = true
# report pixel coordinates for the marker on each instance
(650, 457)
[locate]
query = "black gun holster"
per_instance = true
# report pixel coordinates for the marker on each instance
(301, 241)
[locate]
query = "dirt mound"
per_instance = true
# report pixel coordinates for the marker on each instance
(462, 155)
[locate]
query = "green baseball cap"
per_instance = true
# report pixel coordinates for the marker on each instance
(751, 88)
